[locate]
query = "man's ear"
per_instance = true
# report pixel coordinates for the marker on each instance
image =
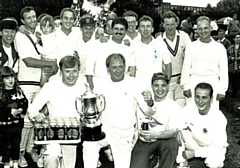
(22, 21)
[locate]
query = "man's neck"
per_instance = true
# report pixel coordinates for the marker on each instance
(86, 39)
(171, 36)
(146, 40)
(157, 99)
(117, 41)
(132, 35)
(6, 45)
(66, 31)
(30, 30)
(205, 40)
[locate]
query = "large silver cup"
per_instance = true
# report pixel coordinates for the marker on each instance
(90, 106)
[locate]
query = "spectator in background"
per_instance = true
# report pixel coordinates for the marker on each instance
(233, 53)
(8, 54)
(186, 26)
(221, 38)
(233, 27)
(57, 21)
(132, 19)
(214, 26)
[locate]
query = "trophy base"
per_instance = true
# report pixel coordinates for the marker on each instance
(92, 134)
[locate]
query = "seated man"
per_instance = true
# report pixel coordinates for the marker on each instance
(160, 137)
(205, 129)
(60, 95)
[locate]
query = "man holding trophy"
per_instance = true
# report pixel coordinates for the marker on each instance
(60, 95)
(119, 116)
(158, 128)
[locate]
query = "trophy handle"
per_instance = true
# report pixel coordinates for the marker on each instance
(78, 105)
(100, 103)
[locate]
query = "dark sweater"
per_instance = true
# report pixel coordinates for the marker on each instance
(9, 100)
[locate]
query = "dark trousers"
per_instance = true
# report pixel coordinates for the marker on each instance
(79, 158)
(167, 149)
(11, 146)
(234, 79)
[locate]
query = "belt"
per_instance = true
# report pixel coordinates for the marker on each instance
(176, 75)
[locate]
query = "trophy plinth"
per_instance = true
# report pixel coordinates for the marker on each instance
(90, 106)
(93, 133)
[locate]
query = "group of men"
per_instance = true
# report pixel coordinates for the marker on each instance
(141, 78)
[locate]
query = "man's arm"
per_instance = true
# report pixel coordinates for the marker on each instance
(168, 70)
(90, 81)
(132, 70)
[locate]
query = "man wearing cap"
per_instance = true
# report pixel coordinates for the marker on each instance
(8, 54)
(85, 43)
(162, 127)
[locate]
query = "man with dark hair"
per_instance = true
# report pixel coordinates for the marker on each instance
(159, 137)
(222, 39)
(119, 116)
(29, 73)
(59, 95)
(204, 130)
(132, 19)
(8, 54)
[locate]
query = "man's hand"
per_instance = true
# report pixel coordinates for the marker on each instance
(188, 154)
(104, 39)
(40, 117)
(126, 42)
(180, 138)
(54, 67)
(147, 135)
(187, 93)
(147, 95)
(220, 97)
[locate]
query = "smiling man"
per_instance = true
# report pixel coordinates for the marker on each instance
(205, 129)
(59, 95)
(205, 61)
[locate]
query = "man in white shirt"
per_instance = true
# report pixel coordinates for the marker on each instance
(176, 41)
(95, 63)
(119, 116)
(205, 61)
(162, 127)
(59, 95)
(67, 35)
(132, 19)
(204, 130)
(87, 42)
(150, 54)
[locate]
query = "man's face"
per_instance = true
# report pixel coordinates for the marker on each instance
(70, 75)
(87, 31)
(203, 100)
(160, 89)
(116, 69)
(132, 23)
(145, 28)
(234, 16)
(237, 39)
(67, 20)
(170, 25)
(57, 23)
(221, 35)
(108, 28)
(30, 19)
(204, 30)
(9, 82)
(8, 35)
(119, 31)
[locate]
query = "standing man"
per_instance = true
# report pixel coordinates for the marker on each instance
(205, 61)
(8, 54)
(95, 63)
(67, 36)
(59, 95)
(176, 41)
(132, 19)
(205, 133)
(233, 27)
(85, 43)
(160, 137)
(119, 117)
(222, 39)
(29, 74)
(149, 54)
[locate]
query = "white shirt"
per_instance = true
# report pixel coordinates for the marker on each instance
(205, 59)
(209, 130)
(96, 61)
(148, 59)
(60, 98)
(67, 43)
(176, 49)
(26, 50)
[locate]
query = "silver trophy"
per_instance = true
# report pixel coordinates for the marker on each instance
(90, 106)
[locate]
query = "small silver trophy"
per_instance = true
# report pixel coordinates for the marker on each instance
(90, 106)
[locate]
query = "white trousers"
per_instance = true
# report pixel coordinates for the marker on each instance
(121, 146)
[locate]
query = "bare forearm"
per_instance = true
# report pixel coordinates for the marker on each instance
(36, 63)
(166, 134)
